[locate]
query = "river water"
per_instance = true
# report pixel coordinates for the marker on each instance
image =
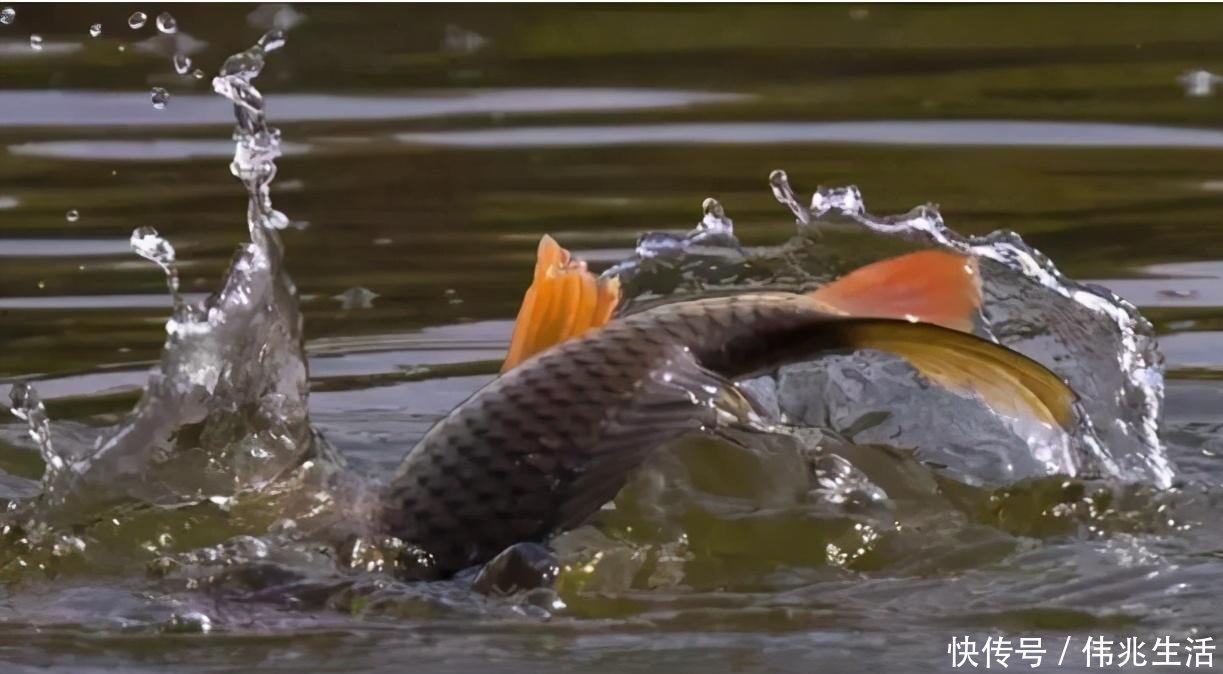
(426, 149)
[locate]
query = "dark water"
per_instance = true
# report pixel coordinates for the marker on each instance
(427, 148)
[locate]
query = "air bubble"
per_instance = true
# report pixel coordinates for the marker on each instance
(36, 42)
(72, 215)
(95, 30)
(137, 20)
(182, 64)
(8, 15)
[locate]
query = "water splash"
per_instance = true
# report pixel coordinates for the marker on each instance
(27, 406)
(137, 20)
(147, 243)
(672, 265)
(257, 144)
(1088, 335)
(1096, 340)
(225, 409)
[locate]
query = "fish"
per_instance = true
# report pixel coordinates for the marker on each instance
(585, 396)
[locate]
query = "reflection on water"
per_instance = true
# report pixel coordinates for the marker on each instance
(1184, 284)
(933, 133)
(597, 125)
(136, 150)
(108, 109)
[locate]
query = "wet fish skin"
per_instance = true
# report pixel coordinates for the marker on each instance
(542, 447)
(500, 468)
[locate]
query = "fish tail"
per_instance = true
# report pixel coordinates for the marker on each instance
(928, 286)
(1008, 381)
(920, 306)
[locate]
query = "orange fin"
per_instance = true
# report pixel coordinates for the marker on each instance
(929, 286)
(564, 301)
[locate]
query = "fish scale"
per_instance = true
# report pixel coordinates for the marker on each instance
(477, 460)
(542, 447)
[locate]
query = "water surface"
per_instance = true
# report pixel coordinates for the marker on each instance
(423, 163)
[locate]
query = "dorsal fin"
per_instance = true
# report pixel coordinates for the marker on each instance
(564, 300)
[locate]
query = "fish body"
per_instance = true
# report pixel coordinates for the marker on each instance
(546, 444)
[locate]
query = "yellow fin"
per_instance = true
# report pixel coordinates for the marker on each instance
(564, 301)
(1008, 381)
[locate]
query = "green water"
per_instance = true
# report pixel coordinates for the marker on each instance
(427, 168)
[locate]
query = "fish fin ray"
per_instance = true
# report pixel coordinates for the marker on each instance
(1008, 381)
(930, 286)
(564, 300)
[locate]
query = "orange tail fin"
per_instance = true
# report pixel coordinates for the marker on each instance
(928, 286)
(564, 301)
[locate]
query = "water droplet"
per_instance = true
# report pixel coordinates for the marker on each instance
(137, 20)
(272, 40)
(150, 245)
(160, 97)
(8, 15)
(715, 219)
(182, 64)
(845, 200)
(166, 23)
(27, 406)
(72, 215)
(122, 47)
(198, 74)
(36, 42)
(95, 30)
(784, 194)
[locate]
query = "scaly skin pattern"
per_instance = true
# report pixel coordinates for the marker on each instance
(504, 466)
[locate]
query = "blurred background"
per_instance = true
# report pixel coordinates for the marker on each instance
(427, 147)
